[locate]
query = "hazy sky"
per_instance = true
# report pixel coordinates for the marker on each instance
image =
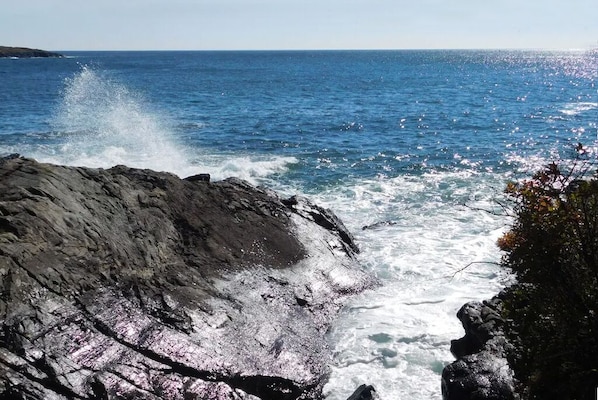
(298, 24)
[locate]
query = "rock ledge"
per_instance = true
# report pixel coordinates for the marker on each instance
(128, 283)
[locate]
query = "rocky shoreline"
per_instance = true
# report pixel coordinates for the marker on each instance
(128, 283)
(481, 370)
(24, 52)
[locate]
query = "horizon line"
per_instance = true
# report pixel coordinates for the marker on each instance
(337, 49)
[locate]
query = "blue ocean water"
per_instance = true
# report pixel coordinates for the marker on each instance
(420, 141)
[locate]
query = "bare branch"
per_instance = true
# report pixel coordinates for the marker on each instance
(470, 264)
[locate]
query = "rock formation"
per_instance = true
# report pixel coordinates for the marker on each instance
(481, 371)
(127, 283)
(24, 52)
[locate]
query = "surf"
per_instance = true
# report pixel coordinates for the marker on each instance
(100, 122)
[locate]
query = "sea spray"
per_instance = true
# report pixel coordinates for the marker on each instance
(104, 123)
(101, 122)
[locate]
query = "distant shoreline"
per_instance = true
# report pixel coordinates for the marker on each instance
(24, 52)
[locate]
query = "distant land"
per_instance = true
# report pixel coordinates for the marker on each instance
(24, 52)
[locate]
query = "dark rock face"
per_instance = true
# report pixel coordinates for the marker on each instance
(481, 371)
(126, 283)
(24, 52)
(364, 392)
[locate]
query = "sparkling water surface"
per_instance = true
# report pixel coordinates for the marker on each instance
(416, 145)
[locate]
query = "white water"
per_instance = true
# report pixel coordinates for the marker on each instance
(436, 256)
(395, 337)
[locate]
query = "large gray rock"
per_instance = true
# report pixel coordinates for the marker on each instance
(481, 371)
(127, 283)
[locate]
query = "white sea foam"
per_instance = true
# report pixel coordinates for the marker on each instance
(577, 108)
(251, 168)
(436, 253)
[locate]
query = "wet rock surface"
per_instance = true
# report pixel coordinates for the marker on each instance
(481, 371)
(127, 283)
(364, 392)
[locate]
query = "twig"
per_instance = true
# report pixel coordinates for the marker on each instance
(470, 264)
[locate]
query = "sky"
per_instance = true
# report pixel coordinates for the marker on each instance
(298, 24)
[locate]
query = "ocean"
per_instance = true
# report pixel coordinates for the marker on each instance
(414, 146)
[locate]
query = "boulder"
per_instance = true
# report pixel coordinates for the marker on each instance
(127, 283)
(481, 371)
(363, 392)
(478, 376)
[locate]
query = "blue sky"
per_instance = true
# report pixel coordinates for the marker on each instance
(298, 24)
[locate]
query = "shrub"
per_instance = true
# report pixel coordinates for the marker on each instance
(552, 248)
